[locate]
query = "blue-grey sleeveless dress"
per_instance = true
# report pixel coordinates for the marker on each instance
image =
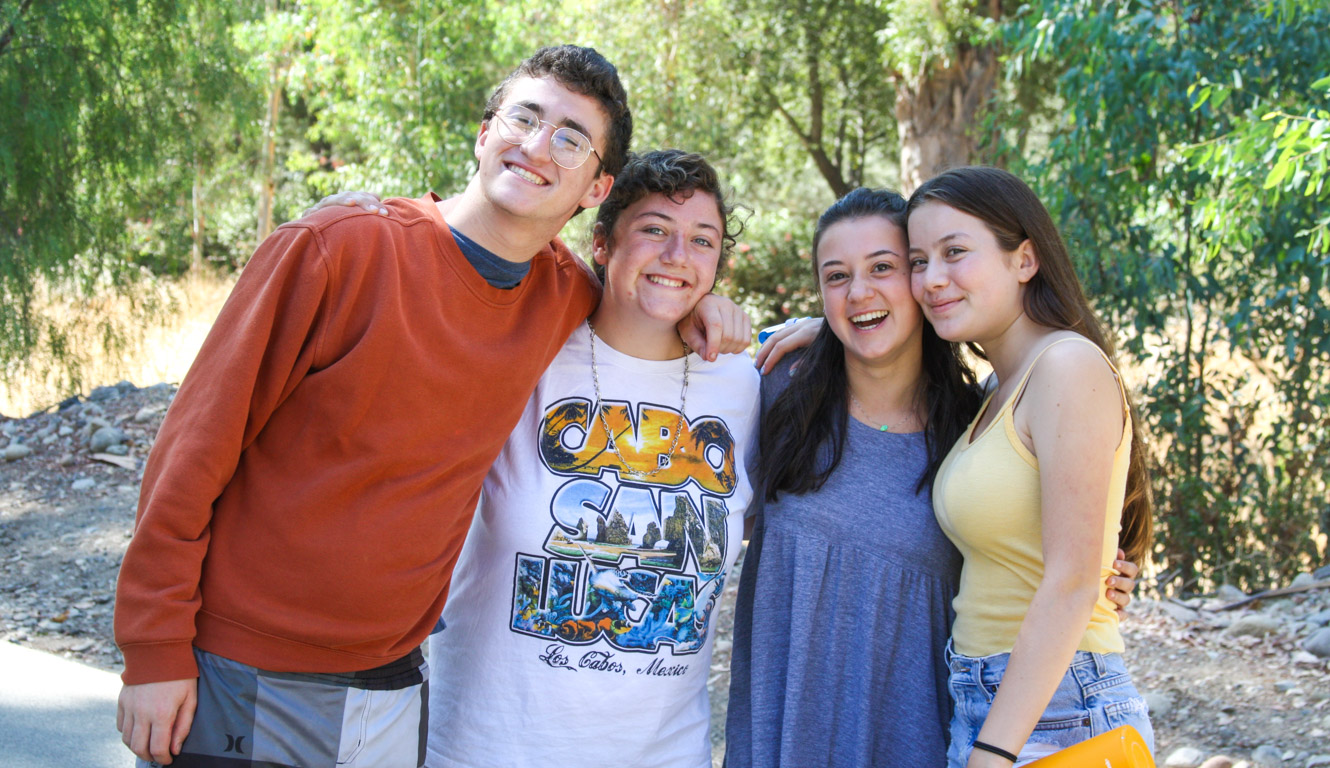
(843, 616)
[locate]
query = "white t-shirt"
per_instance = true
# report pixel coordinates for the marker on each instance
(580, 618)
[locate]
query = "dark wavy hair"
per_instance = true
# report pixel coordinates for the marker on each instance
(1053, 298)
(585, 71)
(803, 432)
(675, 174)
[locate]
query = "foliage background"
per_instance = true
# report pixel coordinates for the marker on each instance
(1181, 145)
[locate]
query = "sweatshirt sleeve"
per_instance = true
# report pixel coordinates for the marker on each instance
(264, 341)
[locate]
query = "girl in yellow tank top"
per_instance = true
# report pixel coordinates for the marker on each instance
(1041, 488)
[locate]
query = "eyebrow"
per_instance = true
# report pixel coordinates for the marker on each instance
(666, 217)
(878, 252)
(567, 122)
(940, 240)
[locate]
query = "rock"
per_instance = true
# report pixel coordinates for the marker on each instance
(119, 449)
(1320, 618)
(1268, 756)
(68, 460)
(1319, 643)
(1179, 613)
(1318, 761)
(1302, 657)
(1253, 625)
(145, 414)
(1229, 593)
(1284, 686)
(1218, 761)
(1303, 579)
(82, 484)
(1184, 757)
(101, 394)
(16, 451)
(1160, 704)
(1322, 573)
(105, 438)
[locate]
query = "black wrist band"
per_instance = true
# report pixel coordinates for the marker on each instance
(999, 751)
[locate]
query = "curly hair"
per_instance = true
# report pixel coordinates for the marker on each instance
(676, 175)
(584, 71)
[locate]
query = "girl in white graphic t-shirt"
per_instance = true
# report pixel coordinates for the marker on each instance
(581, 616)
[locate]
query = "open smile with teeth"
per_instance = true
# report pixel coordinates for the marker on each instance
(665, 281)
(869, 320)
(526, 175)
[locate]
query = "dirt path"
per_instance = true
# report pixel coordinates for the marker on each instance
(66, 518)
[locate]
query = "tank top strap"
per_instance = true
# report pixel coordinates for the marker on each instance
(1010, 407)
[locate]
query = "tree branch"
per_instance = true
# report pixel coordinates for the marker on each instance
(9, 33)
(815, 95)
(789, 118)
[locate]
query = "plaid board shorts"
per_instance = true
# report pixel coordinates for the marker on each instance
(253, 718)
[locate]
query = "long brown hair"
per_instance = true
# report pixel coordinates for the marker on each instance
(803, 432)
(1053, 298)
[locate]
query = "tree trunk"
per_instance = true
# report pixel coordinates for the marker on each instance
(268, 181)
(196, 200)
(935, 116)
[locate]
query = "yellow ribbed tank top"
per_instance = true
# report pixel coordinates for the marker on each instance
(987, 501)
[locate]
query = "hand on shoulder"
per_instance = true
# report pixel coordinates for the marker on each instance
(354, 199)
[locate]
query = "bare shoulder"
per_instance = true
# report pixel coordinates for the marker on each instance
(1070, 355)
(1072, 370)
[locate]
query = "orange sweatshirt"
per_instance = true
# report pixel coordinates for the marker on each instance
(313, 481)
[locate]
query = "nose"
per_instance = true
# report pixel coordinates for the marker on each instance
(933, 275)
(537, 147)
(859, 289)
(674, 251)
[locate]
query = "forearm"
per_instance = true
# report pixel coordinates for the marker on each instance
(1045, 645)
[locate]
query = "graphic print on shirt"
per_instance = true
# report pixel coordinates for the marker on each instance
(637, 561)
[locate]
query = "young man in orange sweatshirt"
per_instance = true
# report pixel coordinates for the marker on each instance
(311, 486)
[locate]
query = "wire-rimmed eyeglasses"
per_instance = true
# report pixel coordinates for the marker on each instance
(569, 148)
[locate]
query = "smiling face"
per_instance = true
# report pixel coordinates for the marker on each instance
(865, 284)
(522, 180)
(969, 287)
(659, 261)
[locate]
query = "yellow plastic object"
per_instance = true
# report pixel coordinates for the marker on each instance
(1119, 748)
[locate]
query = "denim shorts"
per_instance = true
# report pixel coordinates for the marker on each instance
(1095, 696)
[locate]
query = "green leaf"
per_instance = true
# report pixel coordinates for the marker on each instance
(1276, 175)
(1200, 100)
